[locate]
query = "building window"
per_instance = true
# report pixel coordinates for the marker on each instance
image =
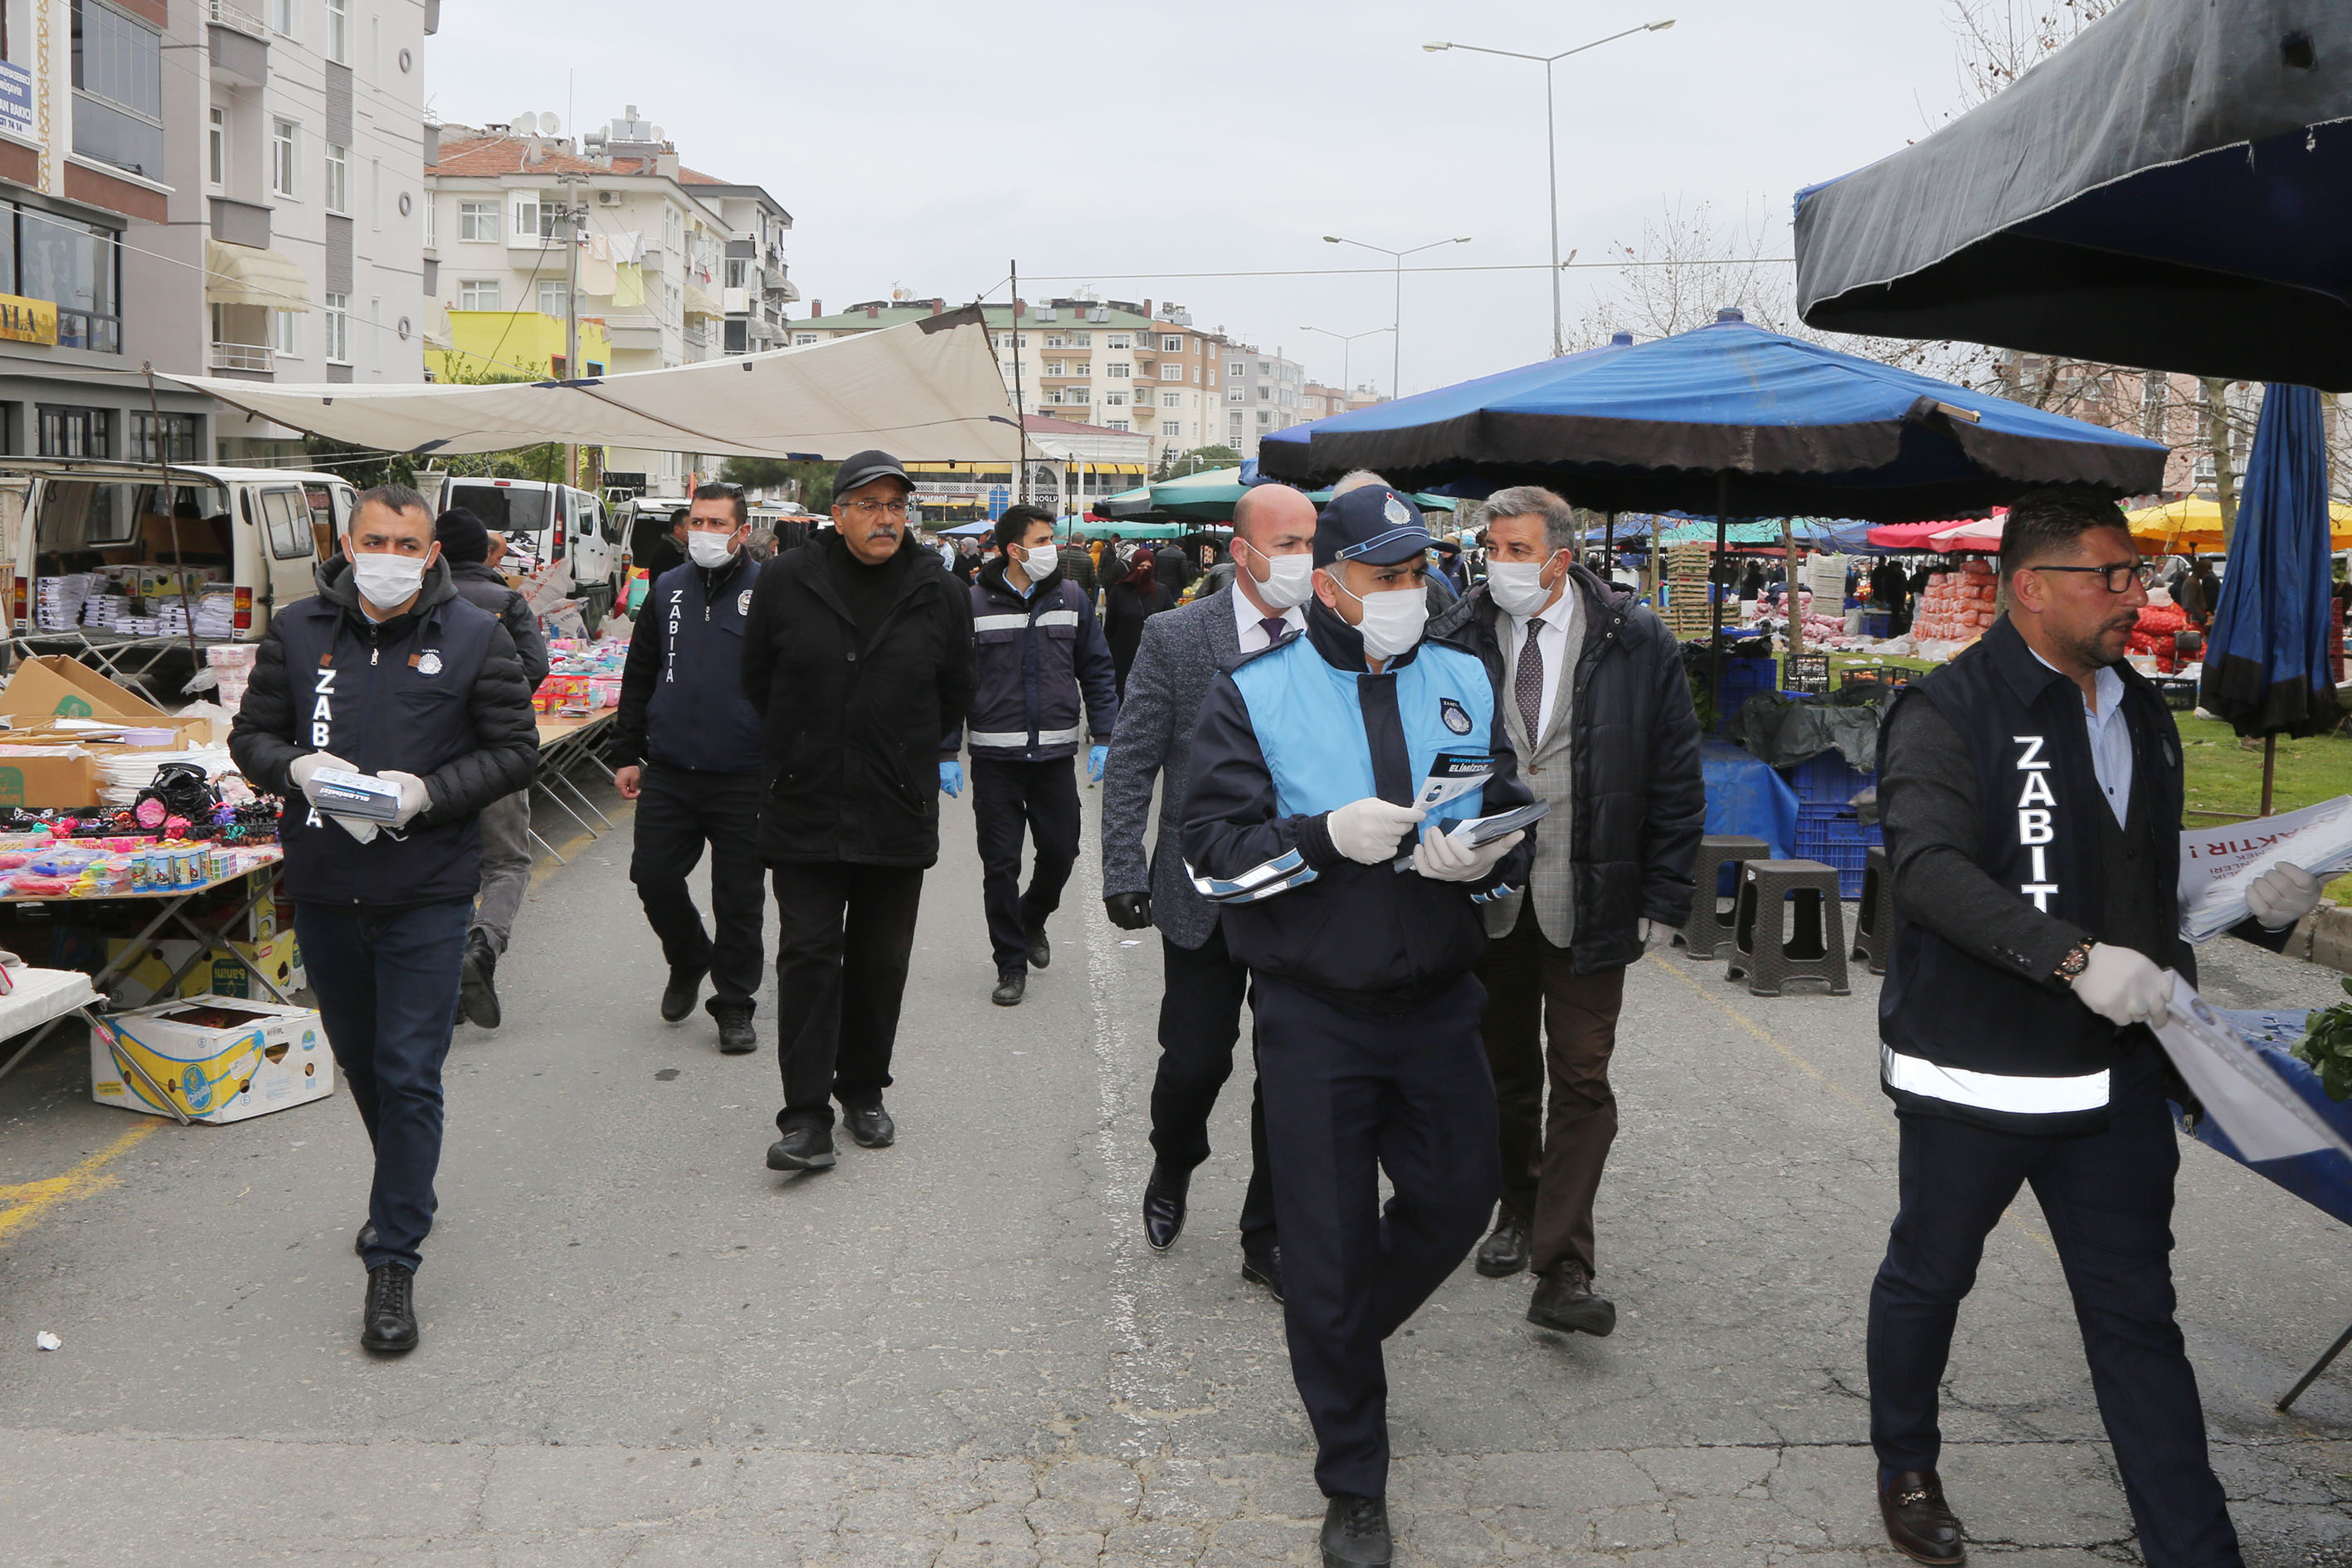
(478, 294)
(339, 328)
(118, 77)
(1266, 395)
(283, 15)
(337, 192)
(217, 147)
(285, 333)
(1057, 340)
(1118, 341)
(738, 272)
(1171, 371)
(803, 339)
(76, 267)
(430, 224)
(1114, 424)
(1264, 418)
(338, 31)
(76, 431)
(285, 145)
(1114, 399)
(477, 221)
(1172, 345)
(1233, 394)
(1081, 340)
(1171, 400)
(1118, 370)
(162, 438)
(552, 301)
(1233, 422)
(1237, 368)
(1053, 367)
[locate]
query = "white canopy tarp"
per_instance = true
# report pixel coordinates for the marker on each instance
(926, 392)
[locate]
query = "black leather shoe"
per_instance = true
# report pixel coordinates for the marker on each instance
(677, 997)
(806, 1147)
(364, 1239)
(1356, 1532)
(388, 1320)
(1163, 1206)
(1041, 952)
(1264, 1268)
(870, 1125)
(1918, 1525)
(1010, 987)
(1503, 1252)
(735, 1035)
(1564, 1301)
(478, 991)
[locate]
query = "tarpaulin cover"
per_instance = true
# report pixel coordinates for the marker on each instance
(1745, 796)
(2266, 658)
(1800, 430)
(1785, 730)
(2322, 1179)
(2167, 190)
(924, 392)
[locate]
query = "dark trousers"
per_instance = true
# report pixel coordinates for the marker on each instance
(1007, 798)
(387, 986)
(1348, 1097)
(2107, 1198)
(680, 810)
(843, 936)
(1545, 1023)
(1200, 1022)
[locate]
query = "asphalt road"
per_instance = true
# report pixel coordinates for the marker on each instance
(642, 1347)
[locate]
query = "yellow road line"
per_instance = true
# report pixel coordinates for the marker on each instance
(22, 1206)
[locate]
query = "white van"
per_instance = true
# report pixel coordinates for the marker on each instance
(552, 522)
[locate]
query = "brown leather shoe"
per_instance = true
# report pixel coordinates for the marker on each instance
(1917, 1524)
(1564, 1301)
(1504, 1252)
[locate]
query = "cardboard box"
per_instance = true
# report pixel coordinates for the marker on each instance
(226, 974)
(55, 687)
(216, 1059)
(59, 776)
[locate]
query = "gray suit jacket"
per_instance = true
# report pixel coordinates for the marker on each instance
(1183, 650)
(1549, 769)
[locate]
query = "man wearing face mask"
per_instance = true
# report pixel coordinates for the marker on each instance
(386, 671)
(686, 748)
(1041, 658)
(1601, 717)
(1356, 911)
(1270, 579)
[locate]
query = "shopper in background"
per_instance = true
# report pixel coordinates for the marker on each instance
(1133, 595)
(669, 549)
(858, 653)
(1041, 660)
(1173, 566)
(686, 748)
(1079, 567)
(1203, 984)
(473, 553)
(1599, 713)
(387, 671)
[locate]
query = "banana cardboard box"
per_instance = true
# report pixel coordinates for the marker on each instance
(223, 975)
(216, 1059)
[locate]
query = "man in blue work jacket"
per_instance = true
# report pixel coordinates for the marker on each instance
(1355, 910)
(1041, 656)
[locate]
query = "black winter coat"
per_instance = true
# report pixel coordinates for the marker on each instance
(682, 701)
(1639, 798)
(854, 725)
(438, 692)
(480, 585)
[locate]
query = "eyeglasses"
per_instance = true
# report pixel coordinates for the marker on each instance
(870, 509)
(2118, 578)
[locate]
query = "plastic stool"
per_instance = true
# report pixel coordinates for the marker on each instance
(1771, 949)
(1874, 918)
(1709, 926)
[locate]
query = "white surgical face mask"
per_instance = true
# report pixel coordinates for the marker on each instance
(707, 549)
(1517, 586)
(1393, 621)
(387, 581)
(1289, 580)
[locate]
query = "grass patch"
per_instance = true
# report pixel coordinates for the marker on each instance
(2223, 775)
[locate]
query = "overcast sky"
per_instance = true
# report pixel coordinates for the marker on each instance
(925, 142)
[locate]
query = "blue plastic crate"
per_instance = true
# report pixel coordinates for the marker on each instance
(1830, 835)
(1827, 780)
(1742, 678)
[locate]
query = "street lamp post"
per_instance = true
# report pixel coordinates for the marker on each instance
(1348, 347)
(1396, 344)
(1551, 145)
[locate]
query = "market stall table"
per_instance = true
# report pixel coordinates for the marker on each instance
(565, 742)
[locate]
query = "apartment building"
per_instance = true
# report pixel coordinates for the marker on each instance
(1138, 368)
(1264, 392)
(311, 154)
(673, 266)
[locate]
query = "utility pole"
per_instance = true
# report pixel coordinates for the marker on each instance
(572, 220)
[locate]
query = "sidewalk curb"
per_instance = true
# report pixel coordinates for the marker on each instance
(2324, 937)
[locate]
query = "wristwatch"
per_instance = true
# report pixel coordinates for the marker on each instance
(2078, 957)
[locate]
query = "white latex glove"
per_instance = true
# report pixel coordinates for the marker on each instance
(301, 769)
(1368, 831)
(1443, 858)
(1656, 935)
(2122, 986)
(412, 797)
(2281, 896)
(359, 827)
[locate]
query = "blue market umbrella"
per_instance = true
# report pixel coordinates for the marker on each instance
(2266, 664)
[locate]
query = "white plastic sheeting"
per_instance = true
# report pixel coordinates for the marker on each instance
(926, 392)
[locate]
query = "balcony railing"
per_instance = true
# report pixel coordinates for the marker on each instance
(244, 356)
(234, 16)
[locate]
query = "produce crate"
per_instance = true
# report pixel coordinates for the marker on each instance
(1827, 780)
(2180, 696)
(1742, 678)
(1829, 835)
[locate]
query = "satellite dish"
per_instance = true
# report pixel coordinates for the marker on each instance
(525, 124)
(549, 124)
